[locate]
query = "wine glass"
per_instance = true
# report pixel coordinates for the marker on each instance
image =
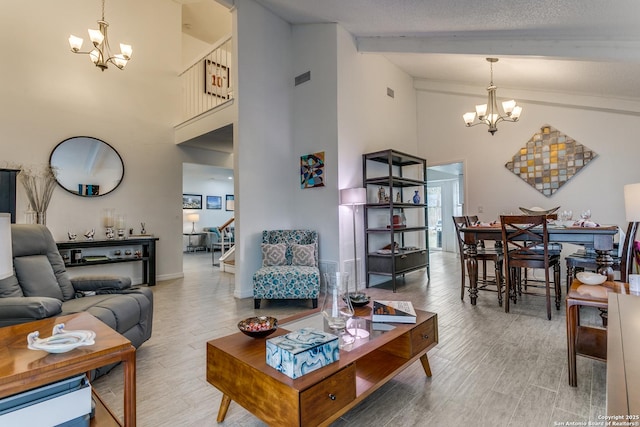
(586, 215)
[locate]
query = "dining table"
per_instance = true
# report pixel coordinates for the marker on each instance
(599, 238)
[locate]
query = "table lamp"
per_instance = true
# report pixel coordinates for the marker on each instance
(632, 202)
(193, 218)
(6, 254)
(354, 197)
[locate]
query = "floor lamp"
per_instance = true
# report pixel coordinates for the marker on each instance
(354, 197)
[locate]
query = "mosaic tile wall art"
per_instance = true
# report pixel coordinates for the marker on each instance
(549, 160)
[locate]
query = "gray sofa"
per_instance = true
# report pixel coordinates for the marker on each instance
(41, 288)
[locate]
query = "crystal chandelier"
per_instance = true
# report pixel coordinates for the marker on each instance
(488, 113)
(101, 53)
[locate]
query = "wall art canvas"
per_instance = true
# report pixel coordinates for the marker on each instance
(191, 201)
(549, 160)
(312, 170)
(214, 202)
(229, 202)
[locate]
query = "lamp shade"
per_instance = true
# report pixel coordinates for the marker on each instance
(194, 217)
(632, 202)
(353, 196)
(6, 254)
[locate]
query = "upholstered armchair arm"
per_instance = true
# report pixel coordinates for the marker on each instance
(100, 283)
(14, 310)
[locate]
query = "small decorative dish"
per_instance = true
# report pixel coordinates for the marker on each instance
(539, 211)
(258, 327)
(60, 340)
(589, 278)
(359, 299)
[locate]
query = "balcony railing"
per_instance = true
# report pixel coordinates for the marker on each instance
(207, 83)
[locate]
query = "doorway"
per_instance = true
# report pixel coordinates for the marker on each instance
(445, 198)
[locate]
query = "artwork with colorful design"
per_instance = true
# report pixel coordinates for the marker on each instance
(312, 170)
(549, 160)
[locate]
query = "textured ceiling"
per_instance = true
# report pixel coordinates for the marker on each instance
(587, 47)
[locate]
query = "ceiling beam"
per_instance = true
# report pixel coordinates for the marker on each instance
(589, 50)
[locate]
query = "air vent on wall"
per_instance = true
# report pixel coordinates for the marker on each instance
(304, 77)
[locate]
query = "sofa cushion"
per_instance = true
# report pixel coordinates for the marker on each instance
(303, 255)
(10, 287)
(286, 282)
(36, 277)
(274, 254)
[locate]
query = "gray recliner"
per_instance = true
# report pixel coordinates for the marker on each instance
(41, 288)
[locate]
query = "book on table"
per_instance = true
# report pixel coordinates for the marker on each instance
(393, 311)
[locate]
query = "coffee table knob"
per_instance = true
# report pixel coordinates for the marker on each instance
(332, 396)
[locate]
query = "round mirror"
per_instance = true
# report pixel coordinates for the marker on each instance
(87, 166)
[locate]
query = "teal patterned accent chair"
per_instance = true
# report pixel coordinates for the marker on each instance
(289, 267)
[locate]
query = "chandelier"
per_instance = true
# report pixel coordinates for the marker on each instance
(488, 113)
(101, 53)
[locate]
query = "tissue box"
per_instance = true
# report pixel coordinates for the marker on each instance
(302, 351)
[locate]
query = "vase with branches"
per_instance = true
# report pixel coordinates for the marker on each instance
(39, 184)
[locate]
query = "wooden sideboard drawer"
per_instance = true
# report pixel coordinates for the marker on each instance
(324, 399)
(422, 336)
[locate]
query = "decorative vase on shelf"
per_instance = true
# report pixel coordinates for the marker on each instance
(416, 198)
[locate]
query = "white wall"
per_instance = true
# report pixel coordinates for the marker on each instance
(315, 129)
(368, 121)
(264, 153)
(48, 94)
(444, 138)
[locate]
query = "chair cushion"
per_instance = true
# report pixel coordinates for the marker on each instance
(303, 255)
(10, 287)
(274, 254)
(286, 282)
(36, 277)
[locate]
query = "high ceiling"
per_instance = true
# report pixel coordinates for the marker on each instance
(571, 46)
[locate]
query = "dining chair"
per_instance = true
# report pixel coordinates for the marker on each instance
(586, 261)
(483, 255)
(525, 241)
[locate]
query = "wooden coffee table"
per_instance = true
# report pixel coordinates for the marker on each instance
(22, 369)
(236, 365)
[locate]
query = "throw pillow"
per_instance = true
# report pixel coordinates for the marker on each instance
(303, 255)
(36, 277)
(274, 254)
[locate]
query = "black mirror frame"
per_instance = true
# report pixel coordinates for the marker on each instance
(96, 139)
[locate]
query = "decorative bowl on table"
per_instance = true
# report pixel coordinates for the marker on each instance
(538, 211)
(61, 340)
(589, 278)
(359, 299)
(258, 327)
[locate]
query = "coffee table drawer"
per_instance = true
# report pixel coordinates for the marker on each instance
(422, 336)
(327, 397)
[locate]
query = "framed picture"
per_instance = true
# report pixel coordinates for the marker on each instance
(191, 201)
(214, 202)
(312, 170)
(229, 202)
(216, 79)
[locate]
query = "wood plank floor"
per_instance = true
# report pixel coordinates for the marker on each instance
(490, 368)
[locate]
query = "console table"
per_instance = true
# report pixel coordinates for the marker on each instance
(147, 255)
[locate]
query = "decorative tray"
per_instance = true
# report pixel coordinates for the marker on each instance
(60, 340)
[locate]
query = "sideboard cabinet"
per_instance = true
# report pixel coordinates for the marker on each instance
(396, 224)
